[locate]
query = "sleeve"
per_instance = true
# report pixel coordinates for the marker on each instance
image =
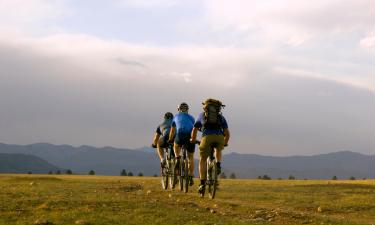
(158, 131)
(173, 122)
(198, 123)
(192, 119)
(224, 123)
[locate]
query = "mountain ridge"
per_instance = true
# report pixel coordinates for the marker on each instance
(23, 163)
(108, 160)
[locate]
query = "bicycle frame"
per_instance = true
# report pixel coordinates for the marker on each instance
(212, 173)
(168, 172)
(184, 169)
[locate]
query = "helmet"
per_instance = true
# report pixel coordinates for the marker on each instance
(168, 115)
(183, 107)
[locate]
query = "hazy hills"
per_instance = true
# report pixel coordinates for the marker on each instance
(21, 163)
(341, 164)
(110, 161)
(106, 161)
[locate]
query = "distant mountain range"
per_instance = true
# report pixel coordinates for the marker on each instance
(110, 161)
(21, 163)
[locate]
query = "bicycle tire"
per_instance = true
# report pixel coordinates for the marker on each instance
(164, 178)
(172, 175)
(213, 181)
(209, 174)
(201, 194)
(182, 175)
(186, 176)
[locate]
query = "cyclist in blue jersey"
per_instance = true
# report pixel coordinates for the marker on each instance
(161, 136)
(182, 125)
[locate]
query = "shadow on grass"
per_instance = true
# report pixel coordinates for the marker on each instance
(41, 179)
(342, 186)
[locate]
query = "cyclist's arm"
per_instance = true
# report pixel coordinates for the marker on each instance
(156, 139)
(226, 136)
(171, 133)
(194, 133)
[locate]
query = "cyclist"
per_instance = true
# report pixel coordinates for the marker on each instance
(215, 133)
(161, 136)
(182, 126)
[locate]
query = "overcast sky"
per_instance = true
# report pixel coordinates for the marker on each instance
(298, 77)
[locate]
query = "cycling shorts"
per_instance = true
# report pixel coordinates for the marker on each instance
(184, 139)
(209, 141)
(163, 141)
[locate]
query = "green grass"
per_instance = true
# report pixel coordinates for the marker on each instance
(62, 199)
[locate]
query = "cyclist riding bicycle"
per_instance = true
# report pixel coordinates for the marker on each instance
(161, 136)
(182, 126)
(215, 134)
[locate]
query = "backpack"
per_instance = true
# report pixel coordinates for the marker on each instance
(212, 112)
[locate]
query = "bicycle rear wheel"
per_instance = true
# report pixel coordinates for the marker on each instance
(182, 175)
(164, 178)
(186, 176)
(212, 182)
(172, 174)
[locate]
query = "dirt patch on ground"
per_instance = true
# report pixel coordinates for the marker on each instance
(131, 188)
(35, 179)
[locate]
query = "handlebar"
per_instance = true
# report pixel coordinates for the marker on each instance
(199, 142)
(196, 142)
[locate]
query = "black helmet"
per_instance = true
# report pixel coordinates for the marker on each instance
(183, 107)
(168, 115)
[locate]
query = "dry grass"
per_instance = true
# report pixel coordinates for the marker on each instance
(64, 199)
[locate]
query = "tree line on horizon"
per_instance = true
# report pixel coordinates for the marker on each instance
(222, 175)
(291, 177)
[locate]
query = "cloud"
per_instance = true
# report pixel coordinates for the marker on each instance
(68, 89)
(292, 22)
(19, 17)
(292, 77)
(368, 42)
(343, 80)
(147, 4)
(129, 62)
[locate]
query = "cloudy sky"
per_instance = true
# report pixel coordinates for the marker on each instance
(298, 77)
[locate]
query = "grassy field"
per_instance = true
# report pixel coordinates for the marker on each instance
(60, 199)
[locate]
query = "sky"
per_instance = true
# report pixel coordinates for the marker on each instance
(297, 76)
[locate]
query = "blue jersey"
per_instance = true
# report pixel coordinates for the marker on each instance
(183, 122)
(164, 128)
(200, 124)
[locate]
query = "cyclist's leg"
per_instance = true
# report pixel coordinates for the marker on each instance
(203, 167)
(162, 143)
(191, 163)
(190, 151)
(178, 142)
(204, 151)
(219, 146)
(160, 153)
(177, 149)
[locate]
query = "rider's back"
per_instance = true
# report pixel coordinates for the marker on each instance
(184, 122)
(165, 127)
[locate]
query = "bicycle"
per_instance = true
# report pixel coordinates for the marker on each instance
(168, 172)
(212, 175)
(212, 178)
(184, 170)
